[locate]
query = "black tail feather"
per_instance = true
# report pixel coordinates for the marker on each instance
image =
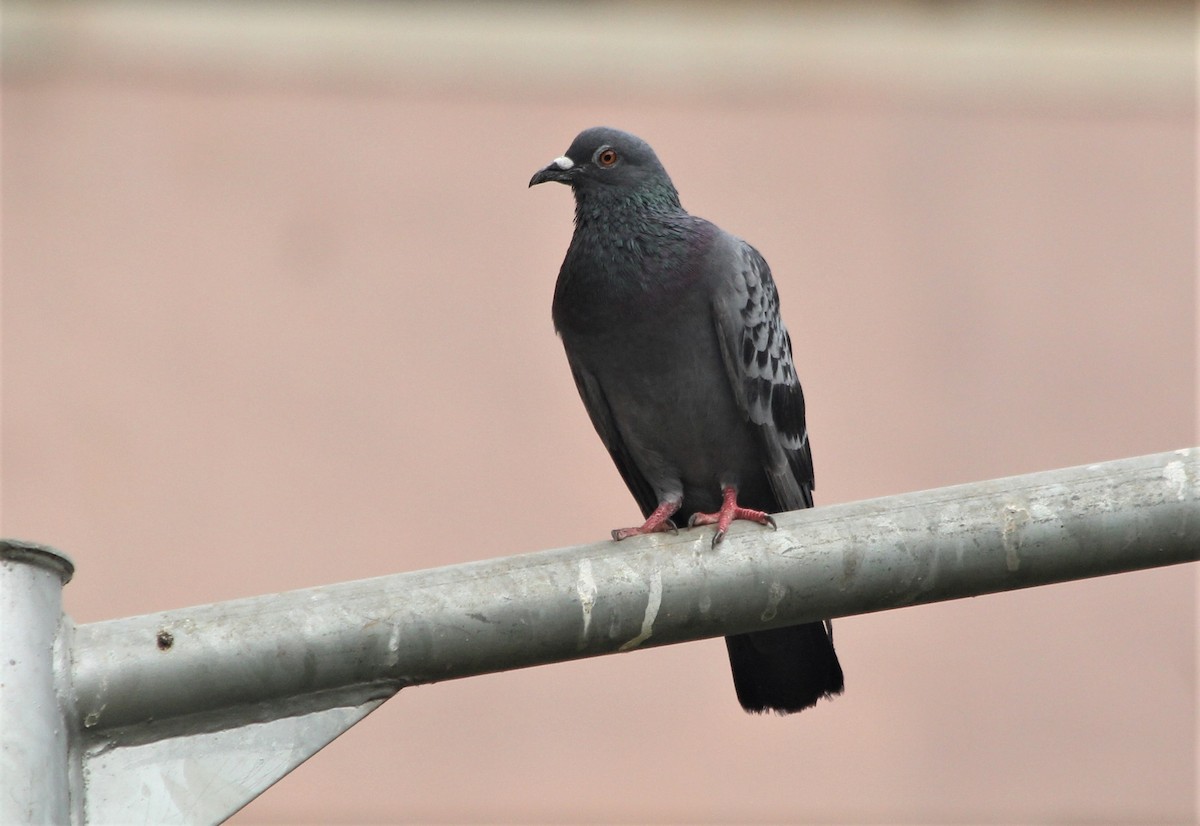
(785, 670)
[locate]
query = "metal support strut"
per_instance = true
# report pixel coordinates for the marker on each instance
(34, 719)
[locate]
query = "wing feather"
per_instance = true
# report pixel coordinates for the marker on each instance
(757, 352)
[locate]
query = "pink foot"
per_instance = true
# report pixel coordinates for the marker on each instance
(729, 511)
(657, 522)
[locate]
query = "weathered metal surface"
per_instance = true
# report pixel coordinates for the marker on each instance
(309, 646)
(204, 777)
(185, 716)
(34, 764)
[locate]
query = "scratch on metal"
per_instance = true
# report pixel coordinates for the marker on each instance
(585, 586)
(653, 603)
(1176, 474)
(775, 594)
(1015, 518)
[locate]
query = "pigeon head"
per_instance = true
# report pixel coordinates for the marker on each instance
(602, 160)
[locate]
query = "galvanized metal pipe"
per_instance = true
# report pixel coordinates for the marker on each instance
(174, 671)
(34, 725)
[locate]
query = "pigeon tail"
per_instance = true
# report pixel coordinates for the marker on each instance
(784, 670)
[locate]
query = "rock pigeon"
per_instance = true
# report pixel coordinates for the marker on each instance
(671, 327)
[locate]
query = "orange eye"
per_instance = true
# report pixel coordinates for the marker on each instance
(607, 158)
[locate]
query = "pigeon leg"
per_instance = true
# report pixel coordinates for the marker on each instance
(657, 522)
(729, 511)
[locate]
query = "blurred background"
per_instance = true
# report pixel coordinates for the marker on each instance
(276, 314)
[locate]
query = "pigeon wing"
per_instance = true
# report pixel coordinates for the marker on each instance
(757, 352)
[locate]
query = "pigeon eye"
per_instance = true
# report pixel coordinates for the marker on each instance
(607, 158)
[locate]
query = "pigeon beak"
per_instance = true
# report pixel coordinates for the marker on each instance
(561, 170)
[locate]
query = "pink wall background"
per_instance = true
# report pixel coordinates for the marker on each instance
(261, 335)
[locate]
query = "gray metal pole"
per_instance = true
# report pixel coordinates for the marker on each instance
(34, 724)
(191, 669)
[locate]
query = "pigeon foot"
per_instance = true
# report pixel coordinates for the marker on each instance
(657, 522)
(727, 514)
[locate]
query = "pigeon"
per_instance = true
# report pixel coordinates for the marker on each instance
(672, 331)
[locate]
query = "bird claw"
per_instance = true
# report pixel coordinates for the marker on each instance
(657, 522)
(763, 519)
(666, 526)
(729, 512)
